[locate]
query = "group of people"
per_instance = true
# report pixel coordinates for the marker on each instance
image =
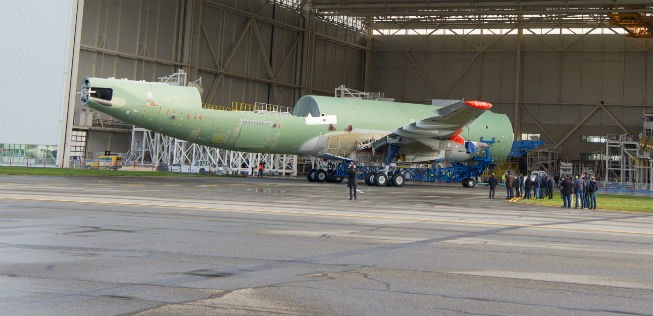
(583, 188)
(525, 187)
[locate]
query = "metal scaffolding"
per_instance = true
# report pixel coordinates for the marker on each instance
(629, 159)
(152, 148)
(621, 153)
(625, 165)
(544, 158)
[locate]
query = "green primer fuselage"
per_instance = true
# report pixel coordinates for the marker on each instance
(319, 125)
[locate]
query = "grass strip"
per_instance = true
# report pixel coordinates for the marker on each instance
(604, 202)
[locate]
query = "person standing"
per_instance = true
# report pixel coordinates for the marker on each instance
(509, 183)
(518, 186)
(578, 193)
(586, 196)
(528, 184)
(261, 167)
(567, 189)
(352, 171)
(592, 187)
(492, 182)
(536, 186)
(551, 187)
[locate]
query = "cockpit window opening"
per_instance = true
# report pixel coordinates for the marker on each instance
(102, 93)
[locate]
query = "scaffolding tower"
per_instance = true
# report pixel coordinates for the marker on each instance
(621, 153)
(629, 160)
(543, 158)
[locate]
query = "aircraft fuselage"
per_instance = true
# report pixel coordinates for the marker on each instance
(319, 125)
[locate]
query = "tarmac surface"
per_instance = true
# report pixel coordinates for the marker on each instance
(279, 246)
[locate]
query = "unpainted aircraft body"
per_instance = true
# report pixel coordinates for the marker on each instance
(336, 128)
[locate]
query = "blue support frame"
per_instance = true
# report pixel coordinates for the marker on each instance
(521, 147)
(456, 173)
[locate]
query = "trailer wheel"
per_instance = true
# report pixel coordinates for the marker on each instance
(381, 179)
(321, 175)
(370, 178)
(469, 183)
(397, 180)
(311, 176)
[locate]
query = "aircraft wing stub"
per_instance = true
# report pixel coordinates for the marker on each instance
(445, 125)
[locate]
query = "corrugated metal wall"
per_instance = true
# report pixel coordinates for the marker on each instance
(571, 85)
(245, 51)
(252, 51)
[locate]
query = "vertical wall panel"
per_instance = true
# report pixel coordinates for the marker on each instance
(634, 78)
(564, 78)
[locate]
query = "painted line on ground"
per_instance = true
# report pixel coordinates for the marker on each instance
(328, 213)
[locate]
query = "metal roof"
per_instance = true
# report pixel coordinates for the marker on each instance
(407, 14)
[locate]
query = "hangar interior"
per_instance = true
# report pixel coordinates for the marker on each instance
(571, 73)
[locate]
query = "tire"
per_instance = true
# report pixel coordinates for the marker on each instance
(311, 176)
(381, 179)
(397, 180)
(388, 179)
(202, 171)
(469, 183)
(338, 179)
(370, 178)
(321, 176)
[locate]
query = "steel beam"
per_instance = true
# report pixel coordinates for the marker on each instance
(422, 75)
(537, 123)
(573, 130)
(518, 82)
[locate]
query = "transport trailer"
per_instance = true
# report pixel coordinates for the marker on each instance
(466, 173)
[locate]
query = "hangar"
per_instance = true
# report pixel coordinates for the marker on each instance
(570, 73)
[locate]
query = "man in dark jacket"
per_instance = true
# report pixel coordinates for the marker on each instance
(592, 187)
(537, 182)
(578, 190)
(567, 190)
(518, 185)
(352, 171)
(492, 182)
(528, 185)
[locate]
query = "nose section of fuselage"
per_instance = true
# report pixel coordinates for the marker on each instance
(102, 95)
(109, 96)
